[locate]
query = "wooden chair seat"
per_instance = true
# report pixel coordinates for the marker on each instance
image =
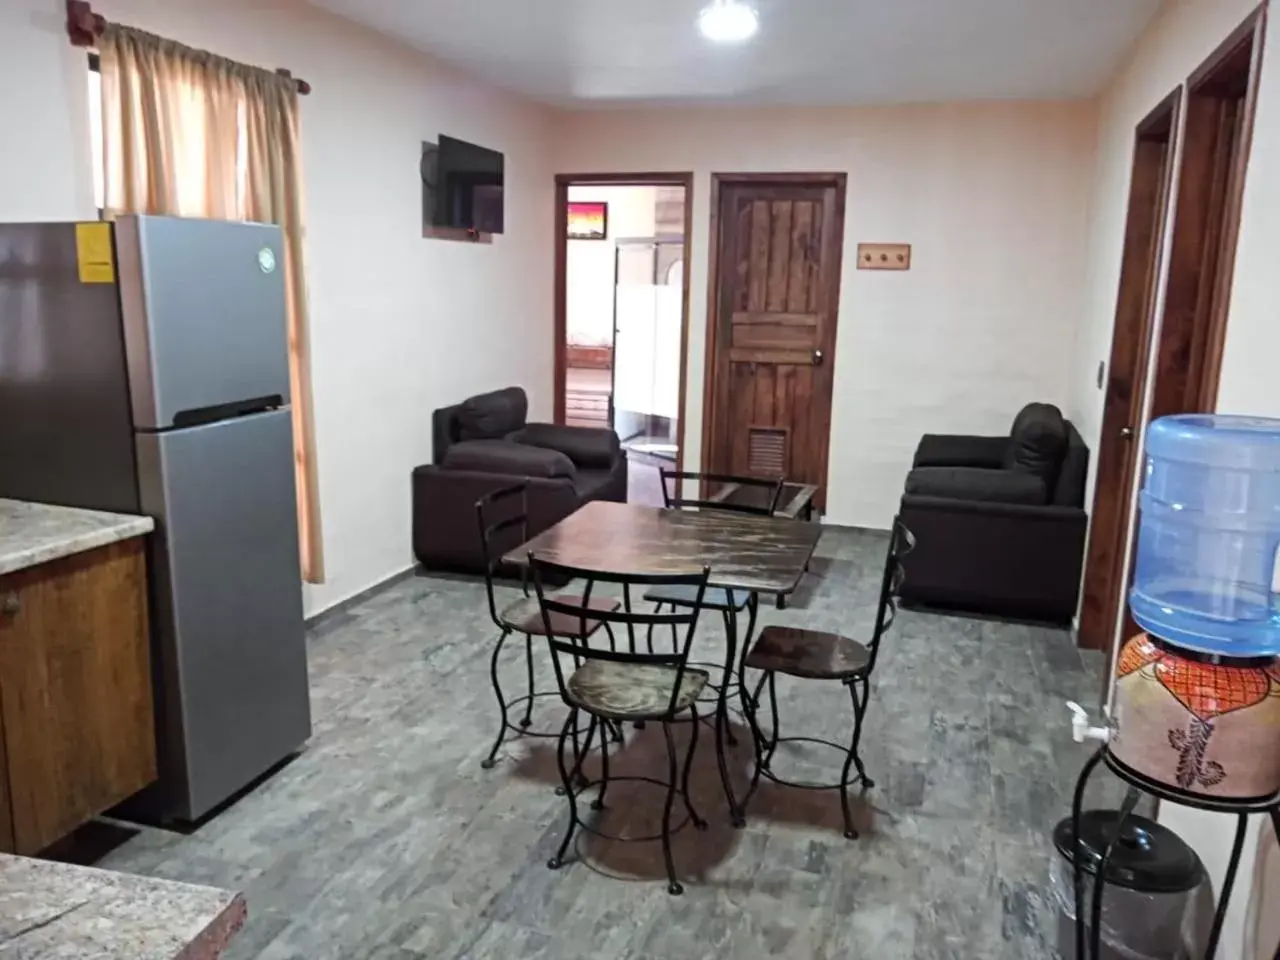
(811, 654)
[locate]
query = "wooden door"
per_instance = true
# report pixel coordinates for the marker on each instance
(1122, 415)
(75, 690)
(778, 243)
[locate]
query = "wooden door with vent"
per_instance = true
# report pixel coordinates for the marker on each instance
(777, 242)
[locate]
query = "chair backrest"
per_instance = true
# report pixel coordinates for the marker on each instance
(582, 614)
(753, 495)
(901, 543)
(498, 512)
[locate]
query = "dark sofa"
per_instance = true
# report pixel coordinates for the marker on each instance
(484, 444)
(999, 522)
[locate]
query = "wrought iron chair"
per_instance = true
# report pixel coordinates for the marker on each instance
(813, 655)
(761, 500)
(503, 516)
(615, 686)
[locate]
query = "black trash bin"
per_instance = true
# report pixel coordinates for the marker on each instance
(1151, 881)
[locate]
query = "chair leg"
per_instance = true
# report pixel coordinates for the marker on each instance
(556, 862)
(773, 723)
(698, 822)
(528, 662)
(757, 740)
(731, 638)
(673, 885)
(613, 641)
(648, 634)
(860, 704)
(850, 831)
(598, 802)
(490, 760)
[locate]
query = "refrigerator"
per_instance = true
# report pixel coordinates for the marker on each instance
(144, 369)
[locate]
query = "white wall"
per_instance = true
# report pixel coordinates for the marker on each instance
(1184, 35)
(400, 324)
(994, 198)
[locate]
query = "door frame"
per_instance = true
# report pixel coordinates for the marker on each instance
(839, 182)
(563, 181)
(1109, 580)
(1207, 359)
(1137, 303)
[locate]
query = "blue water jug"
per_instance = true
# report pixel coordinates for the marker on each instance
(1205, 574)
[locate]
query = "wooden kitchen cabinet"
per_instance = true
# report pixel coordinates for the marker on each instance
(77, 732)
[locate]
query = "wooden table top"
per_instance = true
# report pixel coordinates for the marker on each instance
(744, 552)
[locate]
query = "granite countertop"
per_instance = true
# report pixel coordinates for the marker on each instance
(58, 911)
(35, 533)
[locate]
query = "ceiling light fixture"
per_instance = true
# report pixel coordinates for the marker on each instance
(728, 21)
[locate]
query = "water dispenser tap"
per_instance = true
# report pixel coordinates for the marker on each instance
(1081, 730)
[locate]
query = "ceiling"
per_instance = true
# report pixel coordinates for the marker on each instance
(610, 52)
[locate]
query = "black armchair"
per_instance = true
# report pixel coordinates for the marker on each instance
(999, 521)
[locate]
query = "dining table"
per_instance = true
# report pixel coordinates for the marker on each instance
(745, 553)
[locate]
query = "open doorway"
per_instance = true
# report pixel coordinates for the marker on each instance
(621, 315)
(1166, 358)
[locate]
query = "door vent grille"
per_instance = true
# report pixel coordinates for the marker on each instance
(767, 451)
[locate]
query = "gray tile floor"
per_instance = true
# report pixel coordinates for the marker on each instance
(385, 839)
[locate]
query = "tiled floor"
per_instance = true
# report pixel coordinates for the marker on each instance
(385, 839)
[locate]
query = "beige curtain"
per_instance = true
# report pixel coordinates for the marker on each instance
(186, 133)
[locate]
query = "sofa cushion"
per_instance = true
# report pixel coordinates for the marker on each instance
(1037, 442)
(491, 416)
(503, 456)
(588, 447)
(975, 483)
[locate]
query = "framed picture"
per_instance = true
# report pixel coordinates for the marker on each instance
(588, 220)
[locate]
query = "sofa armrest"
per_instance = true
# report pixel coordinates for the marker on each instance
(446, 532)
(952, 450)
(1011, 559)
(593, 448)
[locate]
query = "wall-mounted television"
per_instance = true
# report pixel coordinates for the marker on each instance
(469, 187)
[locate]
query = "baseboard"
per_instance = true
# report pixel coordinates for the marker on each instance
(342, 606)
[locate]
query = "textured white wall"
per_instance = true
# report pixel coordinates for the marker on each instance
(400, 324)
(994, 199)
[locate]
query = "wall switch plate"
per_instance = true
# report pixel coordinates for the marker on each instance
(1102, 374)
(884, 256)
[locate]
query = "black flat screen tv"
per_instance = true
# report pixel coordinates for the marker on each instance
(469, 185)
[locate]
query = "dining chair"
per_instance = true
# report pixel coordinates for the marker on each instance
(763, 504)
(503, 517)
(814, 655)
(616, 686)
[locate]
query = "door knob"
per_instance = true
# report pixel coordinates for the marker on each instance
(10, 606)
(1126, 433)
(817, 358)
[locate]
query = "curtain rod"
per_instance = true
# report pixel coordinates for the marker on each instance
(84, 27)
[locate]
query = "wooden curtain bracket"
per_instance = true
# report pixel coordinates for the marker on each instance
(303, 87)
(83, 25)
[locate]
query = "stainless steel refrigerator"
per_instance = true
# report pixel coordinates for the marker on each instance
(144, 369)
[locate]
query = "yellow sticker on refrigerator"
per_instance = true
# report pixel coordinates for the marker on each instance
(94, 253)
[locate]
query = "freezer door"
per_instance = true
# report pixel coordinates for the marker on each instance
(229, 632)
(65, 431)
(204, 315)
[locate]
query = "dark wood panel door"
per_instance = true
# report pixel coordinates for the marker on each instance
(75, 688)
(771, 349)
(1122, 416)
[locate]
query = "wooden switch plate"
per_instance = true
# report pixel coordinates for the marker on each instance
(884, 256)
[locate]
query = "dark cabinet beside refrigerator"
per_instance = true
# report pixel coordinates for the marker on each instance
(144, 369)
